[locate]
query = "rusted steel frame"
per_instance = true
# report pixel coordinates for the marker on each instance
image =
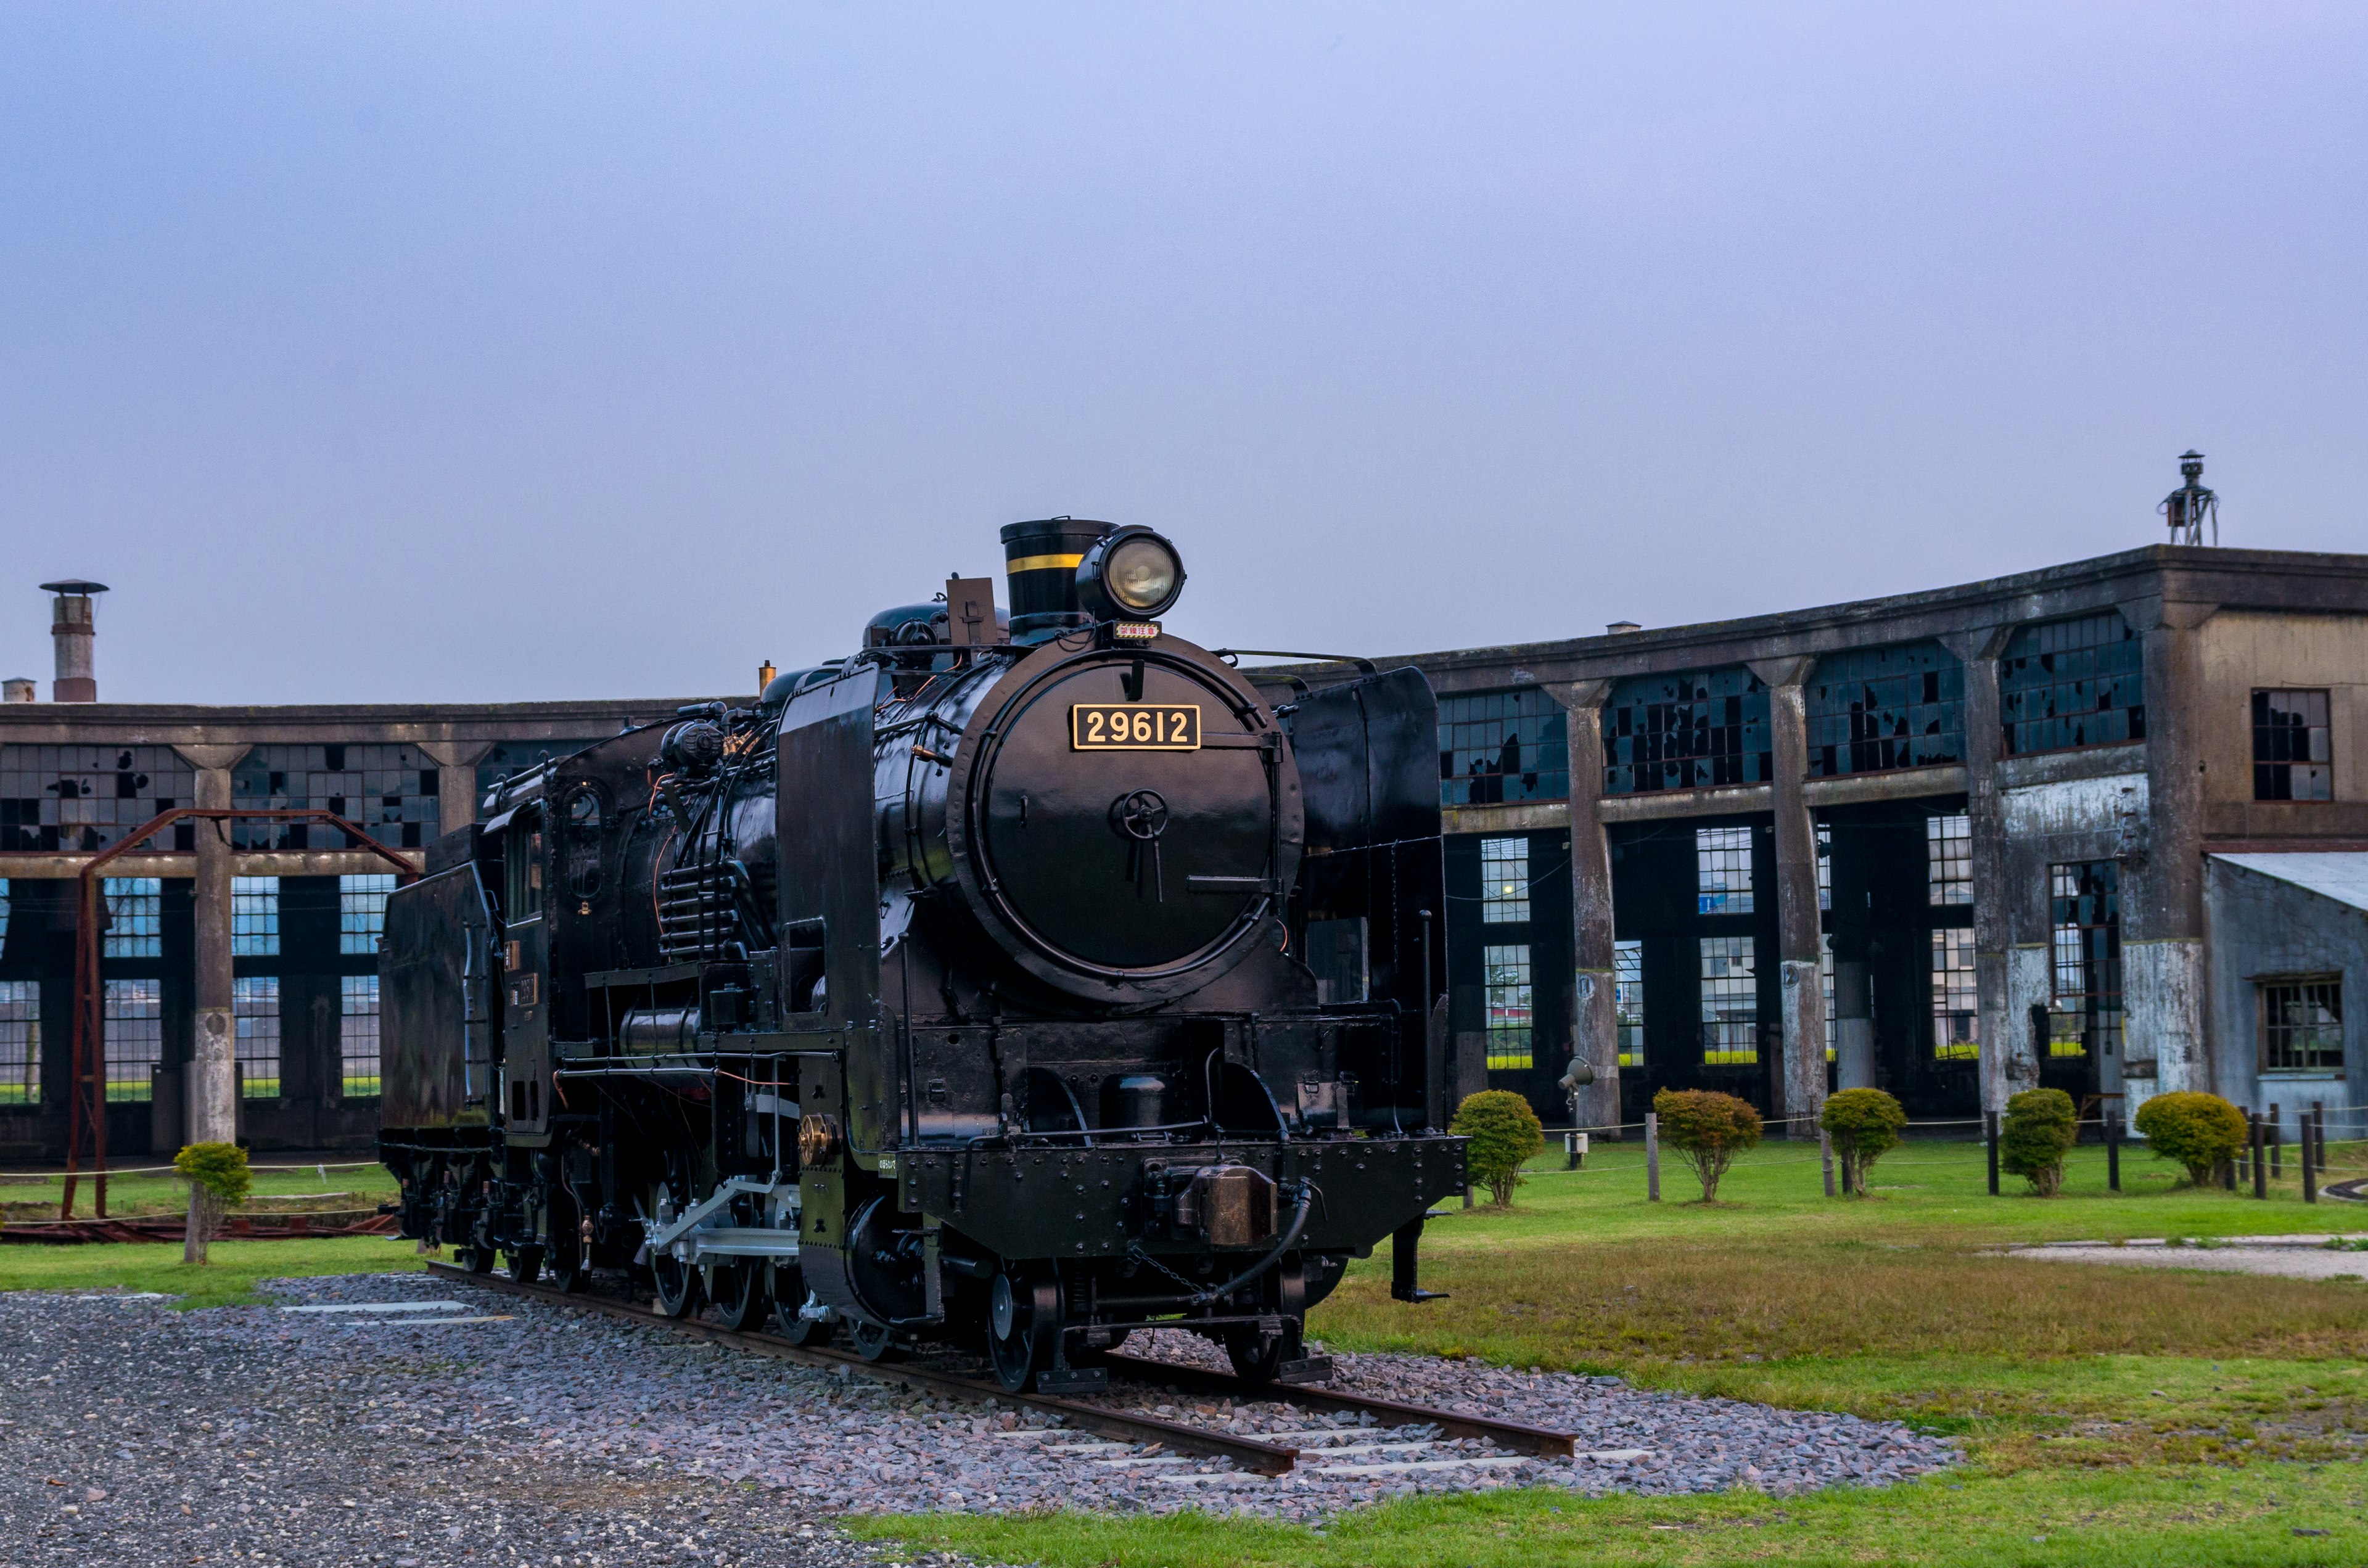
(1504, 1434)
(1266, 1458)
(89, 1071)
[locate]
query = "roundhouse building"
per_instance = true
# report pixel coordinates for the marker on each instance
(1951, 844)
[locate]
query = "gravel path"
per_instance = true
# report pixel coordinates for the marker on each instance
(492, 1430)
(2298, 1257)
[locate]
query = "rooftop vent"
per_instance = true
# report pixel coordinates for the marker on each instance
(17, 688)
(1620, 628)
(70, 630)
(2186, 507)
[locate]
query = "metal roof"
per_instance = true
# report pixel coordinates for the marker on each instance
(2341, 875)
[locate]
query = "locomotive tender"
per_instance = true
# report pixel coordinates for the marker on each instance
(1014, 983)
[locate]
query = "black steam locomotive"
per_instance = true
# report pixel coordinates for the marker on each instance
(1016, 982)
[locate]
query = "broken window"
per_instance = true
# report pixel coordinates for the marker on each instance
(2302, 1024)
(1496, 746)
(254, 916)
(1507, 970)
(255, 1008)
(1686, 731)
(133, 1017)
(20, 1042)
(1956, 1013)
(361, 912)
(4, 917)
(84, 798)
(1504, 880)
(510, 758)
(390, 793)
(135, 914)
(1723, 871)
(1825, 868)
(2072, 683)
(2290, 754)
(358, 1036)
(1730, 1002)
(1949, 854)
(2085, 911)
(1870, 710)
(1628, 1000)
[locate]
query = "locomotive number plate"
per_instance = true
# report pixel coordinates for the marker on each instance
(1135, 726)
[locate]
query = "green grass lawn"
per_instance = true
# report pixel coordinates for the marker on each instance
(227, 1280)
(2112, 1416)
(26, 1198)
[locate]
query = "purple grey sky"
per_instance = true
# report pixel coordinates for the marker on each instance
(396, 352)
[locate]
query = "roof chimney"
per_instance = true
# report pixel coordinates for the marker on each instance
(17, 688)
(1620, 628)
(70, 630)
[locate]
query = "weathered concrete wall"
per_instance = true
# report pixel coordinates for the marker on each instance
(2261, 926)
(2246, 650)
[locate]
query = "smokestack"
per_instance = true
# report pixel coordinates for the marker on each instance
(70, 630)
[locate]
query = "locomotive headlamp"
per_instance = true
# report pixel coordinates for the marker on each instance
(1131, 574)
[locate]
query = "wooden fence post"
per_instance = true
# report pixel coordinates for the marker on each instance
(1652, 1157)
(2112, 1151)
(1825, 1153)
(1990, 1140)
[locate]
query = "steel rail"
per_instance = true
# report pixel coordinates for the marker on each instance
(1197, 1379)
(1266, 1458)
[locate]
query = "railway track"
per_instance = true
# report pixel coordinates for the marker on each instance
(1134, 1439)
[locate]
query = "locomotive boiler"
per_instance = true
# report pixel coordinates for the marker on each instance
(1019, 980)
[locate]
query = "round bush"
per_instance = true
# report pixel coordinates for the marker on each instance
(1709, 1129)
(2037, 1134)
(1505, 1134)
(2198, 1130)
(1863, 1124)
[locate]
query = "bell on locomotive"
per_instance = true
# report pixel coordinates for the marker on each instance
(1023, 977)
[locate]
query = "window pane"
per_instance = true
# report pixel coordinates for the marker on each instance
(361, 912)
(1504, 880)
(135, 914)
(358, 1035)
(1507, 970)
(2289, 746)
(2085, 914)
(254, 916)
(254, 1006)
(1730, 1002)
(1956, 1013)
(1502, 746)
(134, 1018)
(1723, 871)
(390, 793)
(2072, 683)
(4, 917)
(1628, 1000)
(1875, 709)
(20, 1042)
(1949, 852)
(2301, 1026)
(84, 798)
(1686, 731)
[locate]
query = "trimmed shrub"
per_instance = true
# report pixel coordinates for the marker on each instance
(1504, 1134)
(2037, 1134)
(1864, 1124)
(219, 1180)
(2198, 1130)
(1709, 1129)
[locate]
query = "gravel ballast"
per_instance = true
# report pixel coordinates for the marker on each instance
(523, 1431)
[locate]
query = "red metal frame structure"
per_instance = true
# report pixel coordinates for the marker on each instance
(87, 1092)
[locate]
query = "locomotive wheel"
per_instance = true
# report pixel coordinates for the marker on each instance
(872, 1340)
(524, 1264)
(789, 1294)
(570, 1265)
(1023, 1317)
(677, 1286)
(1255, 1355)
(475, 1258)
(739, 1294)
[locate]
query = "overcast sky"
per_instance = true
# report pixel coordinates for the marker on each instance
(393, 352)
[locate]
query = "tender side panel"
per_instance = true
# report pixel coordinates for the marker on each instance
(435, 1002)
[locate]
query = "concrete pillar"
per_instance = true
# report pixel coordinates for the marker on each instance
(1854, 1027)
(2161, 852)
(1595, 1020)
(1801, 975)
(456, 780)
(210, 1086)
(2007, 1066)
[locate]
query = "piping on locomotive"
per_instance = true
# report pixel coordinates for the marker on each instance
(1016, 982)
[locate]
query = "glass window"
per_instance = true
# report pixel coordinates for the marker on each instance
(2072, 683)
(254, 1006)
(2289, 754)
(1684, 731)
(358, 1036)
(1508, 972)
(390, 793)
(1949, 854)
(1956, 1012)
(1504, 880)
(135, 912)
(254, 916)
(1502, 746)
(361, 912)
(2085, 910)
(20, 1042)
(83, 798)
(1870, 710)
(1723, 871)
(134, 1018)
(1826, 981)
(1730, 1002)
(4, 917)
(2301, 1025)
(1628, 1000)
(1825, 867)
